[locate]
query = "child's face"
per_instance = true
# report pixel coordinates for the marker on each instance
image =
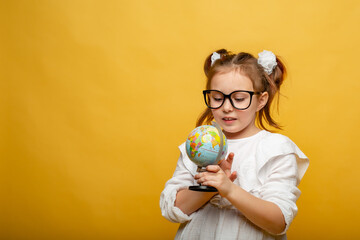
(236, 123)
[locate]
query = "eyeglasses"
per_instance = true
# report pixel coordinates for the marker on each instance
(240, 100)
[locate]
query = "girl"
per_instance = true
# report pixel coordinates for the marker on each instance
(257, 183)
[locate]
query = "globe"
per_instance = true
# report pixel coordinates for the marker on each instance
(206, 145)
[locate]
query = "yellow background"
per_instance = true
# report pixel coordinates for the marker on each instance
(95, 97)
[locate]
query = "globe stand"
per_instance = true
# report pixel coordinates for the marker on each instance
(202, 188)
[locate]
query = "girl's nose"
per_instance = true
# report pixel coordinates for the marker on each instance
(227, 107)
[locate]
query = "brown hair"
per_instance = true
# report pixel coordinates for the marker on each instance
(249, 66)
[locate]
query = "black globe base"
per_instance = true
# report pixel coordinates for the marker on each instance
(202, 188)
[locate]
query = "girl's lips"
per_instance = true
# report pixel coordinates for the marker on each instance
(228, 119)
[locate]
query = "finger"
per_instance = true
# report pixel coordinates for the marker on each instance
(203, 179)
(213, 168)
(209, 176)
(210, 183)
(199, 175)
(230, 158)
(233, 176)
(205, 174)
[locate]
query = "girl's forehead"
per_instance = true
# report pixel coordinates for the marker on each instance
(231, 81)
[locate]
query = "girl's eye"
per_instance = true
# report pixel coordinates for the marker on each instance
(239, 99)
(218, 99)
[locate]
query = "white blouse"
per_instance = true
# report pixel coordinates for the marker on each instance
(269, 166)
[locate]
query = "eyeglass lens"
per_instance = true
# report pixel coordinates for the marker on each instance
(239, 100)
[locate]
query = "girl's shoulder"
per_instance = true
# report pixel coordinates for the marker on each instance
(275, 144)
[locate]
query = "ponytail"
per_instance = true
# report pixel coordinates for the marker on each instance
(208, 64)
(272, 86)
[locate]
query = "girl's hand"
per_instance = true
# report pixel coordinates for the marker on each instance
(226, 166)
(216, 178)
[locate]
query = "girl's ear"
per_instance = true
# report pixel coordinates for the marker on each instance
(263, 99)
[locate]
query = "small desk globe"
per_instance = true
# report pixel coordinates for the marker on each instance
(206, 145)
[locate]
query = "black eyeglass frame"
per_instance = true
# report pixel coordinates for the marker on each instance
(228, 96)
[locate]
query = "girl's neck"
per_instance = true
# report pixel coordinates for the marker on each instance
(247, 132)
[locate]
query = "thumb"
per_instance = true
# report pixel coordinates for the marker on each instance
(233, 176)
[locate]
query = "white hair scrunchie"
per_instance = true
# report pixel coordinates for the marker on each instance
(267, 60)
(215, 56)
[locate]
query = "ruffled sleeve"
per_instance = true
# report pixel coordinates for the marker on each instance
(280, 167)
(183, 177)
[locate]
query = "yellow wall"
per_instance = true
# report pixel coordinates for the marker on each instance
(95, 97)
